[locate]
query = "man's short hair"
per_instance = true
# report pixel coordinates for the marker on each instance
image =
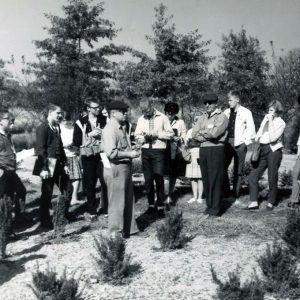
(88, 101)
(52, 107)
(3, 112)
(235, 94)
(277, 106)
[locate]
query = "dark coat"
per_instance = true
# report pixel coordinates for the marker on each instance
(77, 135)
(46, 143)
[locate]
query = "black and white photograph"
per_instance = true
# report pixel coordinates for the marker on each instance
(149, 149)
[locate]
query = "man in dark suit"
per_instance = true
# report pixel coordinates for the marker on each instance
(49, 146)
(87, 131)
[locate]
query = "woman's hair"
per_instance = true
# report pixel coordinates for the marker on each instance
(277, 106)
(3, 112)
(67, 116)
(172, 107)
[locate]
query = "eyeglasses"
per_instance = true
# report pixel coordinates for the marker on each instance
(95, 107)
(208, 103)
(7, 118)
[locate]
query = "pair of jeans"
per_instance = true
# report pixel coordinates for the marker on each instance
(153, 169)
(92, 170)
(267, 159)
(238, 155)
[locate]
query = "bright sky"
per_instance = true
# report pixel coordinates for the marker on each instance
(22, 21)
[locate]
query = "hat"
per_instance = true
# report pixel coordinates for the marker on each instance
(172, 107)
(210, 98)
(118, 105)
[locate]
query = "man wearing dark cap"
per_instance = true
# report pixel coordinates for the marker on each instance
(117, 147)
(210, 131)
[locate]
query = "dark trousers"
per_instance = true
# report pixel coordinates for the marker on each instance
(61, 179)
(238, 155)
(212, 164)
(267, 159)
(11, 185)
(92, 170)
(153, 169)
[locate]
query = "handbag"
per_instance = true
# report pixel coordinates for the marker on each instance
(255, 151)
(183, 153)
(90, 146)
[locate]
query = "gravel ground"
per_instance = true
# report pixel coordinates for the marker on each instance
(181, 274)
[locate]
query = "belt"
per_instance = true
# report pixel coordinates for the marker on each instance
(121, 162)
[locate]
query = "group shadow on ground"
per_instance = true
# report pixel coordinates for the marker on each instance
(10, 268)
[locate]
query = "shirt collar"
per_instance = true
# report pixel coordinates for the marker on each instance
(216, 111)
(3, 132)
(115, 123)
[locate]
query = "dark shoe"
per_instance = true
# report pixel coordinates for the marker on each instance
(102, 211)
(252, 208)
(293, 205)
(150, 211)
(161, 213)
(90, 217)
(47, 225)
(206, 212)
(70, 217)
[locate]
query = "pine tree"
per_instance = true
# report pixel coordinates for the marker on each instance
(179, 71)
(243, 68)
(71, 64)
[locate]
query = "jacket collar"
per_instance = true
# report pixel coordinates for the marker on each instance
(217, 111)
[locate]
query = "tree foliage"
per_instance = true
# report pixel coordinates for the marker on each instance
(243, 68)
(179, 70)
(285, 78)
(71, 64)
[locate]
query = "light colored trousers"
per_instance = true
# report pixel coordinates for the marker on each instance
(120, 199)
(296, 187)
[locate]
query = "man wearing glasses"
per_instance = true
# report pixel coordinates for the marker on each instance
(210, 131)
(88, 131)
(10, 183)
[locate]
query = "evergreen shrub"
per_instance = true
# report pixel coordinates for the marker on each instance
(48, 286)
(113, 264)
(232, 289)
(279, 270)
(169, 233)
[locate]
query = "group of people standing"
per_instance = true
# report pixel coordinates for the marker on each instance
(99, 146)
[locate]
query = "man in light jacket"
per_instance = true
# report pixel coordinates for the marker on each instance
(241, 133)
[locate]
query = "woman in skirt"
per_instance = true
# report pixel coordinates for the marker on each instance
(174, 167)
(193, 169)
(75, 174)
